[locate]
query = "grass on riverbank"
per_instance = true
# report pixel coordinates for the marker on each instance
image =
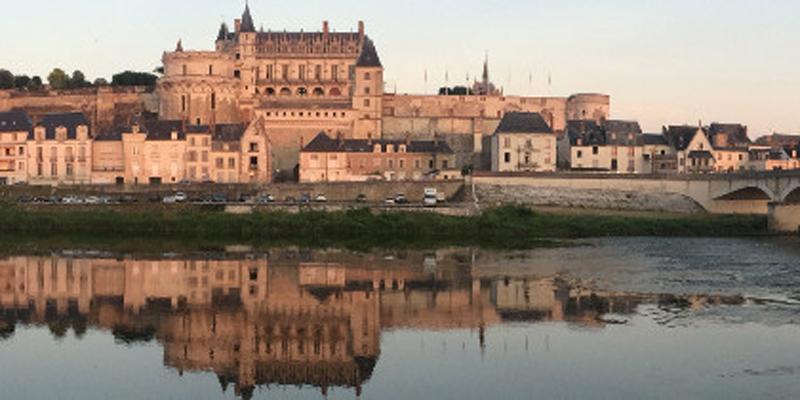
(509, 226)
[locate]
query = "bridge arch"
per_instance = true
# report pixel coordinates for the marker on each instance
(746, 193)
(791, 195)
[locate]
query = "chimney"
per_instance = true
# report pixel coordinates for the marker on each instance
(325, 29)
(361, 30)
(721, 140)
(237, 24)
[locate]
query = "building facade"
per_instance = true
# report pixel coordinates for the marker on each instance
(15, 127)
(524, 142)
(326, 159)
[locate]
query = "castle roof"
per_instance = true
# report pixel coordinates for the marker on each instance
(221, 132)
(15, 121)
(619, 133)
(70, 121)
(523, 122)
(369, 56)
(247, 21)
(323, 143)
(162, 130)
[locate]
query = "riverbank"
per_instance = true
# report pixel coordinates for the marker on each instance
(513, 226)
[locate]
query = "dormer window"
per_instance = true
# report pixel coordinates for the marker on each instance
(376, 148)
(402, 148)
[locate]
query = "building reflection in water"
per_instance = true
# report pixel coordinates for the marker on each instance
(292, 318)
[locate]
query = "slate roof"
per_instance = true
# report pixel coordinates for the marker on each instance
(369, 56)
(323, 143)
(679, 137)
(222, 132)
(71, 121)
(701, 154)
(523, 122)
(655, 139)
(587, 132)
(618, 133)
(736, 135)
(162, 130)
(247, 21)
(15, 121)
(779, 139)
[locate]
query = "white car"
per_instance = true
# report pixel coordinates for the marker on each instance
(321, 198)
(168, 200)
(180, 197)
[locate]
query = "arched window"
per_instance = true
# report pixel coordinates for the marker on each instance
(286, 92)
(270, 91)
(302, 91)
(319, 92)
(335, 92)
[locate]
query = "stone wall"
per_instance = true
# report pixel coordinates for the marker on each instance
(784, 218)
(609, 199)
(104, 107)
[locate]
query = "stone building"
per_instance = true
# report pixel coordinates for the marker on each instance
(613, 146)
(303, 83)
(731, 147)
(352, 160)
(15, 127)
(692, 148)
(524, 142)
(60, 150)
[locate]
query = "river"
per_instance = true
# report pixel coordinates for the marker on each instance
(602, 319)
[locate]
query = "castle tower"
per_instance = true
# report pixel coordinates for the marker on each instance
(368, 92)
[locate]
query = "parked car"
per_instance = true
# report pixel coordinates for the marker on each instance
(267, 198)
(24, 199)
(180, 197)
(127, 199)
(247, 198)
(361, 198)
(92, 200)
(154, 198)
(169, 200)
(388, 200)
(305, 198)
(321, 198)
(400, 199)
(289, 200)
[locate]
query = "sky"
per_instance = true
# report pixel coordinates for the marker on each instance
(665, 62)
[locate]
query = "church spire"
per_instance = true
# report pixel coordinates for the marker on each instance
(247, 20)
(179, 47)
(486, 70)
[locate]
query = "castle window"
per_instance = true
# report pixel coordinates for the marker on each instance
(285, 72)
(254, 147)
(269, 72)
(286, 92)
(184, 69)
(270, 92)
(366, 103)
(237, 74)
(183, 103)
(366, 90)
(211, 70)
(238, 56)
(318, 92)
(301, 73)
(335, 92)
(302, 91)
(367, 76)
(318, 72)
(213, 101)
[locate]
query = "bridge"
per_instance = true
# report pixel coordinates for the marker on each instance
(764, 193)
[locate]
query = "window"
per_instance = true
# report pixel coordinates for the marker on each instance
(417, 164)
(237, 74)
(211, 70)
(335, 72)
(366, 103)
(445, 164)
(204, 156)
(579, 154)
(402, 164)
(53, 169)
(213, 101)
(595, 150)
(183, 103)
(253, 162)
(390, 163)
(366, 90)
(205, 141)
(192, 156)
(70, 170)
(184, 69)
(269, 72)
(367, 76)
(231, 163)
(507, 157)
(21, 151)
(301, 73)
(318, 72)
(285, 72)
(507, 143)
(220, 163)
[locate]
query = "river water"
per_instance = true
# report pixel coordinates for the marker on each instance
(602, 319)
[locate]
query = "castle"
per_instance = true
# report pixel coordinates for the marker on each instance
(304, 83)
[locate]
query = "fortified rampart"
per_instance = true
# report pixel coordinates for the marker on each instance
(104, 107)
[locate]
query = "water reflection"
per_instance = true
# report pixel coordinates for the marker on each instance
(299, 318)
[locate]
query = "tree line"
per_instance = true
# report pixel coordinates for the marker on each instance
(58, 79)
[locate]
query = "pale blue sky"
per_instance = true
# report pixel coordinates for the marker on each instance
(662, 62)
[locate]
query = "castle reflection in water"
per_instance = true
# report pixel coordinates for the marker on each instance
(289, 318)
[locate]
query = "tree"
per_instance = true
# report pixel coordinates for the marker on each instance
(58, 79)
(78, 80)
(455, 91)
(100, 82)
(6, 79)
(35, 84)
(130, 78)
(21, 82)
